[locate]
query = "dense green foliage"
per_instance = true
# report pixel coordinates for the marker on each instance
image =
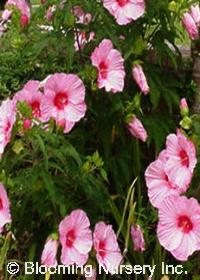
(48, 174)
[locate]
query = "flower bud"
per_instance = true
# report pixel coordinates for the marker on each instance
(27, 123)
(184, 107)
(137, 129)
(172, 6)
(140, 78)
(190, 26)
(24, 20)
(138, 238)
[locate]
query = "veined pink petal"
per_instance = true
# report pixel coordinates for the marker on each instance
(49, 253)
(125, 11)
(7, 121)
(159, 184)
(5, 216)
(107, 249)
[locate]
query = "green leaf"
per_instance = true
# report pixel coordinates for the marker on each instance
(154, 93)
(104, 175)
(70, 50)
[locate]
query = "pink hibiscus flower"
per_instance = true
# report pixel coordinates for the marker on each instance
(181, 162)
(64, 100)
(125, 11)
(138, 238)
(137, 129)
(5, 216)
(75, 238)
(24, 8)
(110, 65)
(32, 96)
(49, 252)
(179, 226)
(107, 249)
(158, 183)
(139, 77)
(7, 120)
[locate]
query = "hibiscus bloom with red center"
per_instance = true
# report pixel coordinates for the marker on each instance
(158, 183)
(75, 238)
(181, 154)
(33, 98)
(179, 226)
(110, 65)
(64, 100)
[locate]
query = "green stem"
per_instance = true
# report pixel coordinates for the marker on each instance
(47, 276)
(125, 207)
(4, 250)
(129, 223)
(137, 169)
(158, 258)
